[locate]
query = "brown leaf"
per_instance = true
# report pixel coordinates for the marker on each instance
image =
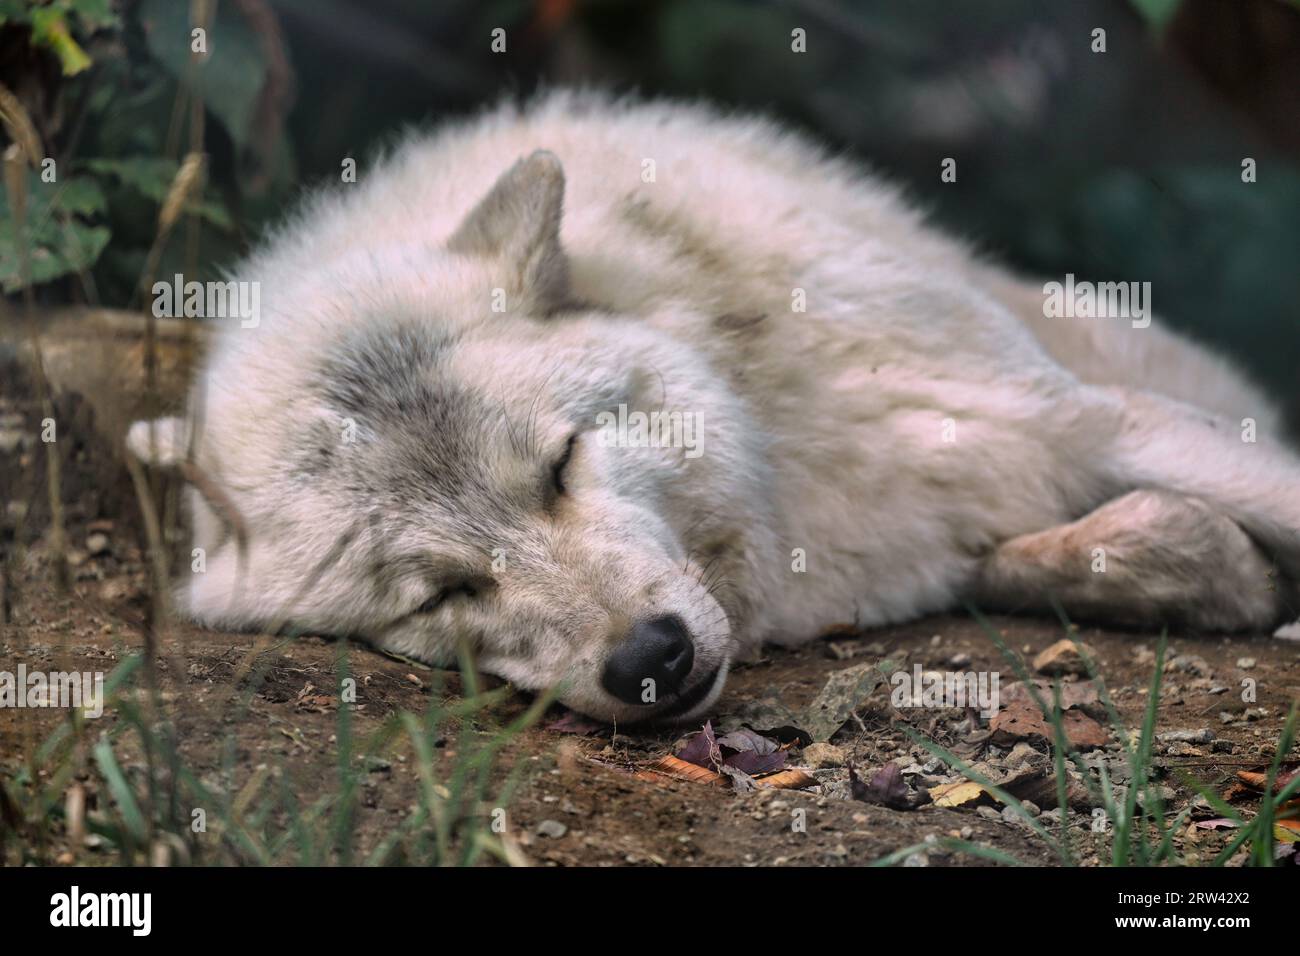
(681, 770)
(956, 794)
(793, 779)
(1258, 781)
(1022, 720)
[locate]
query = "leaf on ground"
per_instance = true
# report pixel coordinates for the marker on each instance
(741, 782)
(886, 788)
(770, 718)
(1287, 831)
(750, 752)
(844, 693)
(1258, 781)
(1219, 823)
(743, 750)
(1022, 720)
(793, 779)
(701, 748)
(1036, 786)
(680, 770)
(956, 794)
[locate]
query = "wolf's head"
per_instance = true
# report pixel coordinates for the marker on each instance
(469, 456)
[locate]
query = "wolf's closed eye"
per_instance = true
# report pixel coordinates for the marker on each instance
(561, 463)
(464, 589)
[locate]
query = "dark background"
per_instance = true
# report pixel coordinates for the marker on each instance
(1123, 165)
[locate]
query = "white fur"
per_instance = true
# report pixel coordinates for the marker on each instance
(824, 430)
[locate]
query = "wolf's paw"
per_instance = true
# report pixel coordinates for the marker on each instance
(160, 442)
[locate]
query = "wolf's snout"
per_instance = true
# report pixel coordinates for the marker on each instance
(659, 650)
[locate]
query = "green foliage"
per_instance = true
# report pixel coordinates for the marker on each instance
(63, 231)
(54, 24)
(263, 816)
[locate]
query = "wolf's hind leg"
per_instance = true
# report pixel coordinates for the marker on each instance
(1146, 559)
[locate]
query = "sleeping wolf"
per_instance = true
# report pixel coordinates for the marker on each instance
(614, 391)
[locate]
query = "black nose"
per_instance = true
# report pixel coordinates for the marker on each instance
(659, 651)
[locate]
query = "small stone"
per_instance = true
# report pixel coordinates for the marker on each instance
(1166, 794)
(988, 813)
(1202, 736)
(1188, 664)
(1023, 753)
(552, 828)
(98, 543)
(820, 756)
(11, 439)
(1221, 746)
(1245, 663)
(1031, 808)
(1062, 658)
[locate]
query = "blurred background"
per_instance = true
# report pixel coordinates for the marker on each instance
(1117, 165)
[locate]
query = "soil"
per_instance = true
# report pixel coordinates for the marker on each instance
(579, 801)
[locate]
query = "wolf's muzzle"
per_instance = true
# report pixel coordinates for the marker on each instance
(659, 651)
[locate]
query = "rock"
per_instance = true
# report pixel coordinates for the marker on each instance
(1009, 815)
(1188, 664)
(1245, 663)
(552, 828)
(820, 756)
(1221, 747)
(98, 543)
(988, 813)
(1031, 808)
(11, 439)
(1023, 753)
(1202, 736)
(1063, 658)
(1166, 794)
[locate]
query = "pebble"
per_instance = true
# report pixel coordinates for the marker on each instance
(1202, 736)
(551, 828)
(1063, 658)
(1245, 663)
(821, 756)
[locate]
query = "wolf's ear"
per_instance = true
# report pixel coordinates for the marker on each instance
(519, 222)
(161, 442)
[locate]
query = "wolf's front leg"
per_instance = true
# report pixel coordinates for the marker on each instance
(1149, 558)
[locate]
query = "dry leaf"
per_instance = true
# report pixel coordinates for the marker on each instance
(793, 779)
(956, 794)
(1022, 720)
(681, 770)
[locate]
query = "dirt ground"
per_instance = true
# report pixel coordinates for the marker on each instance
(580, 801)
